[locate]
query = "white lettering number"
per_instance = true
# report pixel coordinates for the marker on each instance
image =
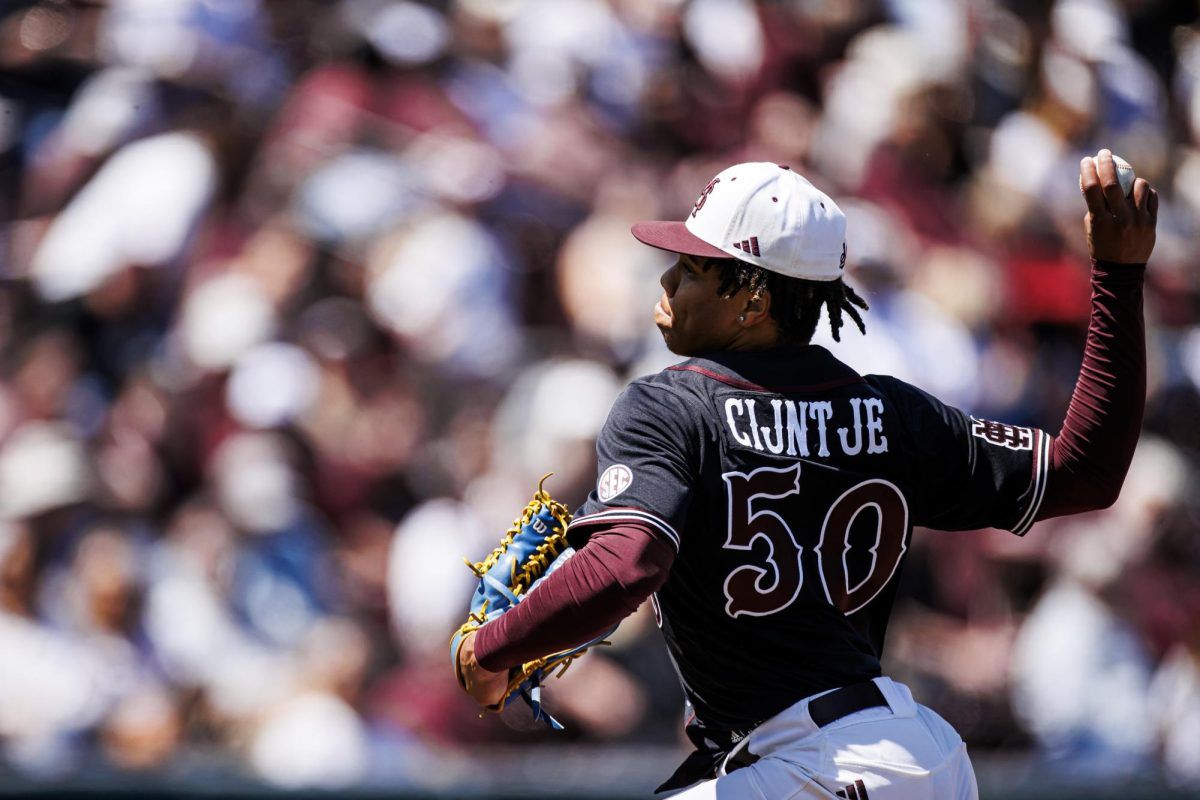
(753, 424)
(874, 408)
(797, 422)
(789, 429)
(854, 450)
(821, 411)
(731, 404)
(777, 445)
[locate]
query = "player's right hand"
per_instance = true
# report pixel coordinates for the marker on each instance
(488, 688)
(1119, 229)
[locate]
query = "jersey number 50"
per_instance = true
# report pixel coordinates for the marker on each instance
(773, 582)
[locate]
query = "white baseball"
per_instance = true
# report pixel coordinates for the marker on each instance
(1124, 174)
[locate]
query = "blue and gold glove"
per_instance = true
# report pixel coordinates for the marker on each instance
(531, 549)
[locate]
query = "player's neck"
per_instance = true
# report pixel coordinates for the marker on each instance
(757, 338)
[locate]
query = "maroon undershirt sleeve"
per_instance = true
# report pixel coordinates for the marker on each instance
(1092, 452)
(604, 582)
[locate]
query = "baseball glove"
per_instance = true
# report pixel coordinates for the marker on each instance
(531, 549)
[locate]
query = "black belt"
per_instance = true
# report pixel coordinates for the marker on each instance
(826, 709)
(845, 701)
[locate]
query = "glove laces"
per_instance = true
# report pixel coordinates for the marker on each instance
(539, 561)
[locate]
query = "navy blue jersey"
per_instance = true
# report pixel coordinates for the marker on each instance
(789, 486)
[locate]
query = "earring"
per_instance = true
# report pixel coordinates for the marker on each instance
(741, 317)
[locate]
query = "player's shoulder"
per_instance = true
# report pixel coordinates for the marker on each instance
(670, 387)
(690, 386)
(656, 406)
(902, 393)
(680, 396)
(780, 371)
(923, 416)
(690, 374)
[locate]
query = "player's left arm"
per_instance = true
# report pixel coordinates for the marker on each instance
(1088, 459)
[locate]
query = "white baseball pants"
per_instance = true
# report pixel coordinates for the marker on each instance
(903, 751)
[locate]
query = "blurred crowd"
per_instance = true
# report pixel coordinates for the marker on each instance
(299, 298)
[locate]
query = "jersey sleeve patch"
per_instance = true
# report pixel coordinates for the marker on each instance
(614, 480)
(1000, 434)
(618, 515)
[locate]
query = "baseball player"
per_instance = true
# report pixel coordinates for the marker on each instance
(763, 494)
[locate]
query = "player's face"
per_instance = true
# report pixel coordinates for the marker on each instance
(692, 317)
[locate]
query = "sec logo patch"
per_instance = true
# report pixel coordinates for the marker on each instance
(615, 480)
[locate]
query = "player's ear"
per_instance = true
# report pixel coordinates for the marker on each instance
(755, 308)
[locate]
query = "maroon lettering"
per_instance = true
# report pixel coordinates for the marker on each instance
(852, 574)
(770, 584)
(877, 563)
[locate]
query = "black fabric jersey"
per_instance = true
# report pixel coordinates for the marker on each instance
(790, 485)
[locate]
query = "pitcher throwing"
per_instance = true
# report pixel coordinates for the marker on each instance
(763, 494)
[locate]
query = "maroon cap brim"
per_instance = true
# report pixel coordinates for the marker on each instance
(675, 237)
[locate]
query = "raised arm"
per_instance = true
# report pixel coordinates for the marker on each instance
(1091, 454)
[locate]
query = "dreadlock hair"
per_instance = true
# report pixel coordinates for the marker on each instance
(795, 302)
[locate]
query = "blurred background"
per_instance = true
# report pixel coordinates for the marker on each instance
(298, 298)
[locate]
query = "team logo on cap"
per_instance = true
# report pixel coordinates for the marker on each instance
(613, 481)
(703, 198)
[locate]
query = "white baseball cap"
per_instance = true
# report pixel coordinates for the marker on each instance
(764, 214)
